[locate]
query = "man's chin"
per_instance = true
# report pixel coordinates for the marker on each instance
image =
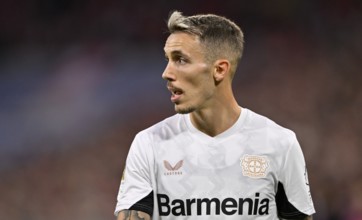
(184, 110)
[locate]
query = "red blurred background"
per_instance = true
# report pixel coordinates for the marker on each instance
(78, 79)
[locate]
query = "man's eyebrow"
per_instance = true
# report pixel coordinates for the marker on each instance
(176, 53)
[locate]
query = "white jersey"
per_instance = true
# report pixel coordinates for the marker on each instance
(250, 171)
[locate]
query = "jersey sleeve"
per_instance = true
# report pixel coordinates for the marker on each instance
(136, 183)
(293, 196)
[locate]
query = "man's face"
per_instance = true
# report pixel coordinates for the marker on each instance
(189, 76)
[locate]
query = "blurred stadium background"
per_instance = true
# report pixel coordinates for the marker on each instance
(79, 78)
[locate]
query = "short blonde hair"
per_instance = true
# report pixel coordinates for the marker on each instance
(221, 38)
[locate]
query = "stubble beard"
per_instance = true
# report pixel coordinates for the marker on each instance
(185, 110)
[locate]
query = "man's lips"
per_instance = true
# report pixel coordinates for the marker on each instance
(176, 93)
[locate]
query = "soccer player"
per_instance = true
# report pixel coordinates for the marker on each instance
(213, 159)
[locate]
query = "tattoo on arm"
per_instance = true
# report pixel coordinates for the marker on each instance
(133, 215)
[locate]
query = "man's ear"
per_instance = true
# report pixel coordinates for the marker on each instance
(222, 69)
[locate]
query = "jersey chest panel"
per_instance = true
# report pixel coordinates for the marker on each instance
(231, 177)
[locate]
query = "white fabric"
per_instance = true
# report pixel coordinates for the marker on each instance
(236, 173)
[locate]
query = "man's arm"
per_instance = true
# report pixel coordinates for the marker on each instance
(133, 215)
(309, 217)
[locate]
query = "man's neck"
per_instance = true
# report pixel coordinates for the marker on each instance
(216, 120)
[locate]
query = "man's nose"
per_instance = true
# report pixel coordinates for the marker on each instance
(168, 73)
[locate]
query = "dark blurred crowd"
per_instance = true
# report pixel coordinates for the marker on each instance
(78, 79)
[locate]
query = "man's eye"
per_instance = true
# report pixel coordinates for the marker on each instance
(181, 60)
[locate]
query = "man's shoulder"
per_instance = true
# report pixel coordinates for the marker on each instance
(261, 122)
(164, 129)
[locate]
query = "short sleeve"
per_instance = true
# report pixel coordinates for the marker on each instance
(294, 196)
(136, 179)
